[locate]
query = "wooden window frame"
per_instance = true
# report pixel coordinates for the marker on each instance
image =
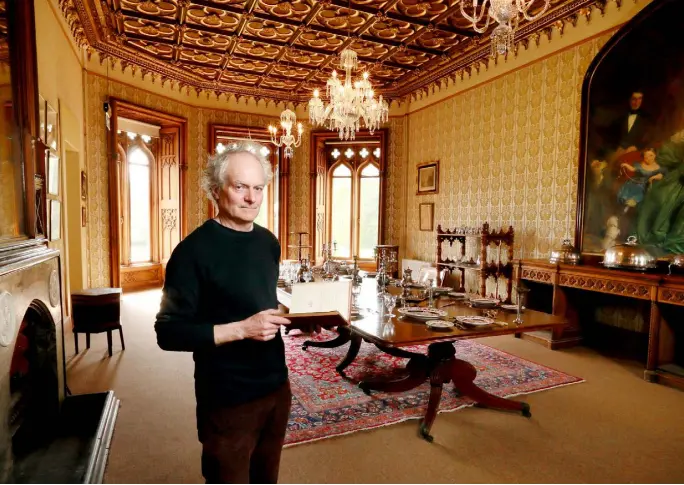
(356, 164)
(125, 192)
(125, 109)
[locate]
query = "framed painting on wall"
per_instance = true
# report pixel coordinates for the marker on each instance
(428, 178)
(426, 216)
(631, 170)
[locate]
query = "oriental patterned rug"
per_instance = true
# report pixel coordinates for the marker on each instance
(324, 404)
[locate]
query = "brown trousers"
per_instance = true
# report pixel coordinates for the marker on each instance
(242, 444)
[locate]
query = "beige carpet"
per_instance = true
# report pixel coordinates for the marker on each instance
(613, 428)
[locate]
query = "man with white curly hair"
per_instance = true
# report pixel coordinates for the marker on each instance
(219, 302)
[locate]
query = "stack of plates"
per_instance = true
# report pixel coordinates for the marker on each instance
(458, 295)
(422, 313)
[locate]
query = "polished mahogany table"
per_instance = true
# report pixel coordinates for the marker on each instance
(440, 365)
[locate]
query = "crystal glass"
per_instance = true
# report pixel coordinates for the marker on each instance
(389, 301)
(308, 276)
(356, 290)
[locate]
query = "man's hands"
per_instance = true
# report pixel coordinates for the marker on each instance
(262, 326)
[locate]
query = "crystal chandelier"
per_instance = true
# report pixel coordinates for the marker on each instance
(506, 13)
(287, 139)
(349, 102)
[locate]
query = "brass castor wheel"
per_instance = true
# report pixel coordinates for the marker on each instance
(526, 410)
(304, 347)
(425, 434)
(364, 387)
(341, 373)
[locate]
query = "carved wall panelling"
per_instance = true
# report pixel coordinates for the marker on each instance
(274, 49)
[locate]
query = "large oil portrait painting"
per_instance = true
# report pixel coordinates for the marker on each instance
(632, 171)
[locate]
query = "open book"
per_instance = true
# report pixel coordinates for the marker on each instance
(329, 302)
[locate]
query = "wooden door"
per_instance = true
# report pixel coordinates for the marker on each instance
(169, 191)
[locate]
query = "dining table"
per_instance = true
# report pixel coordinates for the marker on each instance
(391, 333)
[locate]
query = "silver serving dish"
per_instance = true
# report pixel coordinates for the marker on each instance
(630, 255)
(566, 254)
(676, 261)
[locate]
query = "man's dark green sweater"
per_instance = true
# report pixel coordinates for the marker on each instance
(218, 275)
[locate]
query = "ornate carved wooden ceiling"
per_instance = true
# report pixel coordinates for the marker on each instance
(285, 49)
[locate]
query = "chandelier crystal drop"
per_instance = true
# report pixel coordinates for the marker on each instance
(287, 139)
(506, 13)
(350, 102)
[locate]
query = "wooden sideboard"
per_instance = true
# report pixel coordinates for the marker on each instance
(662, 293)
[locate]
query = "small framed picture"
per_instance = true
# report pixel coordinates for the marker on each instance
(426, 216)
(428, 178)
(55, 220)
(53, 174)
(84, 185)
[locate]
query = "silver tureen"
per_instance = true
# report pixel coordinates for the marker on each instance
(630, 255)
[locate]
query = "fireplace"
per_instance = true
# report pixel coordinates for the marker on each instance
(34, 386)
(46, 435)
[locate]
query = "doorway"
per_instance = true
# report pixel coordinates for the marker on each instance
(147, 205)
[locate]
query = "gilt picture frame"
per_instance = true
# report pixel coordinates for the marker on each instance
(428, 178)
(632, 139)
(426, 216)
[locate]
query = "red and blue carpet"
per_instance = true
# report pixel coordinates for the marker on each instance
(324, 404)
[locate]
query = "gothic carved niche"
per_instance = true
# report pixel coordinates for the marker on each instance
(169, 219)
(282, 50)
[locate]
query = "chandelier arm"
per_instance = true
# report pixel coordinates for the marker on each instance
(524, 5)
(476, 18)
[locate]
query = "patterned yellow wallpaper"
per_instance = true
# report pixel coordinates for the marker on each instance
(508, 154)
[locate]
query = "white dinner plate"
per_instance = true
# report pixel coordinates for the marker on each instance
(422, 313)
(511, 308)
(439, 324)
(457, 294)
(475, 321)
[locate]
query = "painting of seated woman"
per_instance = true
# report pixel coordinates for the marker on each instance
(632, 162)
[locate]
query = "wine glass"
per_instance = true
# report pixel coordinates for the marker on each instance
(390, 301)
(356, 290)
(307, 276)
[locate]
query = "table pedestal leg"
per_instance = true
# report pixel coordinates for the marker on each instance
(463, 374)
(343, 337)
(441, 367)
(353, 351)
